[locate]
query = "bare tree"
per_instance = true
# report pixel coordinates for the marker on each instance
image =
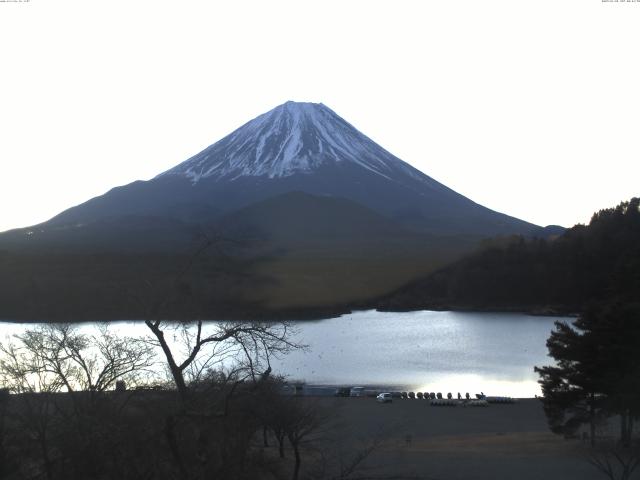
(6, 461)
(615, 463)
(83, 362)
(305, 421)
(210, 363)
(24, 374)
(248, 345)
(42, 363)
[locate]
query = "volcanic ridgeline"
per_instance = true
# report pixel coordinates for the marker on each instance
(306, 216)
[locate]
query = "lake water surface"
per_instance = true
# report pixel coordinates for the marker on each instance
(454, 352)
(422, 351)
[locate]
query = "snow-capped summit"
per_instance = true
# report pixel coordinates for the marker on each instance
(295, 137)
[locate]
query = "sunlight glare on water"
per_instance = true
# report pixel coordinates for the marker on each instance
(453, 352)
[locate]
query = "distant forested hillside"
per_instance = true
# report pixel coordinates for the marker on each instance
(586, 263)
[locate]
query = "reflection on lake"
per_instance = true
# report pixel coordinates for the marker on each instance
(426, 351)
(423, 351)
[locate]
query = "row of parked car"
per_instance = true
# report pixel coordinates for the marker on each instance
(425, 396)
(436, 398)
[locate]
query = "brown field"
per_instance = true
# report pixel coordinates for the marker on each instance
(299, 282)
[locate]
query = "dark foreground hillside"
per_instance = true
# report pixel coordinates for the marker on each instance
(586, 263)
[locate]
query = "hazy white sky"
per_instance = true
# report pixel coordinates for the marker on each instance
(528, 107)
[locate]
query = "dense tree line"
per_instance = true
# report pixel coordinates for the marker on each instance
(564, 274)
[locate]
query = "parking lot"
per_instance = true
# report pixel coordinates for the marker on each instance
(424, 441)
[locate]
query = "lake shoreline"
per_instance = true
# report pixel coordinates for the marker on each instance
(316, 315)
(490, 352)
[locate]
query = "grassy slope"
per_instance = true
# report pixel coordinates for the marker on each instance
(332, 251)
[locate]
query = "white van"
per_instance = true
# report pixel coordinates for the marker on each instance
(384, 398)
(356, 392)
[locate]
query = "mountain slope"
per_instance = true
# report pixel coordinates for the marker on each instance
(326, 251)
(297, 147)
(298, 219)
(314, 217)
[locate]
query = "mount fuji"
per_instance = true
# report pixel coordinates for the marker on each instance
(296, 147)
(319, 219)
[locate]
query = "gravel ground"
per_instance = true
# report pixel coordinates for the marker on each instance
(417, 440)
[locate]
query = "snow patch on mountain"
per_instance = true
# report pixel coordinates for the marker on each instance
(292, 138)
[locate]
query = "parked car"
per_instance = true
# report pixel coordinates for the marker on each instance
(384, 398)
(356, 392)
